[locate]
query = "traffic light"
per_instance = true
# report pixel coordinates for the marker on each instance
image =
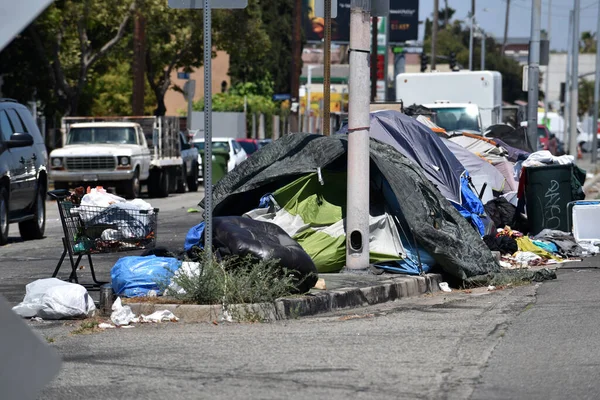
(452, 61)
(424, 62)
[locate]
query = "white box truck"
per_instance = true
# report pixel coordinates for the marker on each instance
(463, 100)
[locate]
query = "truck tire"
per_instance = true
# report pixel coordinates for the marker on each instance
(153, 181)
(34, 228)
(3, 216)
(182, 180)
(131, 189)
(192, 179)
(163, 183)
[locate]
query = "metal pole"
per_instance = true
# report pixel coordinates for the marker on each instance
(471, 44)
(482, 50)
(446, 15)
(574, 83)
(434, 32)
(327, 70)
(190, 108)
(374, 46)
(506, 25)
(567, 104)
(596, 96)
(386, 58)
(207, 132)
(296, 65)
(308, 110)
(547, 78)
(534, 70)
(357, 221)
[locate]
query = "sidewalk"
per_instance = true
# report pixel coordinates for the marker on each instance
(342, 291)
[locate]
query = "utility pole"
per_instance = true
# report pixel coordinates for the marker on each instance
(139, 63)
(434, 32)
(471, 35)
(567, 105)
(296, 66)
(574, 83)
(547, 80)
(482, 50)
(596, 95)
(446, 14)
(357, 206)
(506, 25)
(534, 73)
(327, 72)
(374, 34)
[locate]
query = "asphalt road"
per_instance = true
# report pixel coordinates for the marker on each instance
(525, 342)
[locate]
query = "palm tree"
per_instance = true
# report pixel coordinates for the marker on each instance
(588, 42)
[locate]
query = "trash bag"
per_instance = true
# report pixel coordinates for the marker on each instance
(503, 244)
(136, 276)
(52, 298)
(241, 236)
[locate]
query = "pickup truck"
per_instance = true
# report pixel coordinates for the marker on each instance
(125, 153)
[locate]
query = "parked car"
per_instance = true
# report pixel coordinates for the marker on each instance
(237, 154)
(252, 145)
(23, 174)
(544, 136)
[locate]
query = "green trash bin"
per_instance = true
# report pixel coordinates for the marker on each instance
(220, 157)
(548, 191)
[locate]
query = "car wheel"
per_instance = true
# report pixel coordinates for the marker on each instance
(3, 216)
(34, 228)
(132, 188)
(163, 183)
(182, 181)
(193, 178)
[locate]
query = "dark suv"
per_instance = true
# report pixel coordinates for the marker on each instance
(23, 178)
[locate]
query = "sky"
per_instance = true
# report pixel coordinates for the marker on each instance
(490, 15)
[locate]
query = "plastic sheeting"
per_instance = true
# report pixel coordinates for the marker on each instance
(135, 276)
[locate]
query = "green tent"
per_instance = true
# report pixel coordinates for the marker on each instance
(311, 209)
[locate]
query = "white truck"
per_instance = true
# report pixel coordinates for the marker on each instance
(125, 153)
(463, 100)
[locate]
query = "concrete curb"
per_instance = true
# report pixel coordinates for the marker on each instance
(313, 303)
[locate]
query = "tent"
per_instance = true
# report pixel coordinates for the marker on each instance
(422, 146)
(484, 176)
(416, 206)
(492, 152)
(516, 138)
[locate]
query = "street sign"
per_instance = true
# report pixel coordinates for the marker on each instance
(320, 8)
(183, 75)
(213, 4)
(281, 97)
(189, 89)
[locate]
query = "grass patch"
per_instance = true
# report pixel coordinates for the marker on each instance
(234, 280)
(87, 326)
(49, 339)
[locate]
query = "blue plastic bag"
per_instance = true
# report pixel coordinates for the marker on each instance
(136, 276)
(193, 237)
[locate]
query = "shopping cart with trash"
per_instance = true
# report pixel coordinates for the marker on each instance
(92, 230)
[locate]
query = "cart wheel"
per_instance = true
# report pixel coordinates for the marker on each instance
(193, 178)
(163, 183)
(181, 182)
(131, 189)
(34, 228)
(3, 216)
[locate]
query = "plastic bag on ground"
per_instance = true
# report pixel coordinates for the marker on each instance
(189, 269)
(159, 316)
(52, 298)
(135, 276)
(121, 315)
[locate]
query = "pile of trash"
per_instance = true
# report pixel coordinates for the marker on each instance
(110, 222)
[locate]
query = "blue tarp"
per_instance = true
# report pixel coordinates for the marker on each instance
(136, 276)
(193, 237)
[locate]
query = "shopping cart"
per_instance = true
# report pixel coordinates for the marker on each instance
(92, 230)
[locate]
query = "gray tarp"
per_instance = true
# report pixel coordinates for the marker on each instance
(436, 224)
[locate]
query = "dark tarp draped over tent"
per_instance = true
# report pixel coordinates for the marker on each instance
(422, 146)
(516, 138)
(435, 224)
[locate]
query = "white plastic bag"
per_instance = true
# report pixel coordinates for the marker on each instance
(159, 316)
(189, 269)
(121, 315)
(100, 198)
(52, 298)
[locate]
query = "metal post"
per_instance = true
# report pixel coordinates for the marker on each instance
(534, 70)
(434, 32)
(357, 221)
(374, 46)
(574, 83)
(327, 69)
(386, 58)
(506, 25)
(567, 104)
(207, 132)
(596, 96)
(482, 50)
(547, 77)
(296, 65)
(308, 111)
(471, 35)
(190, 108)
